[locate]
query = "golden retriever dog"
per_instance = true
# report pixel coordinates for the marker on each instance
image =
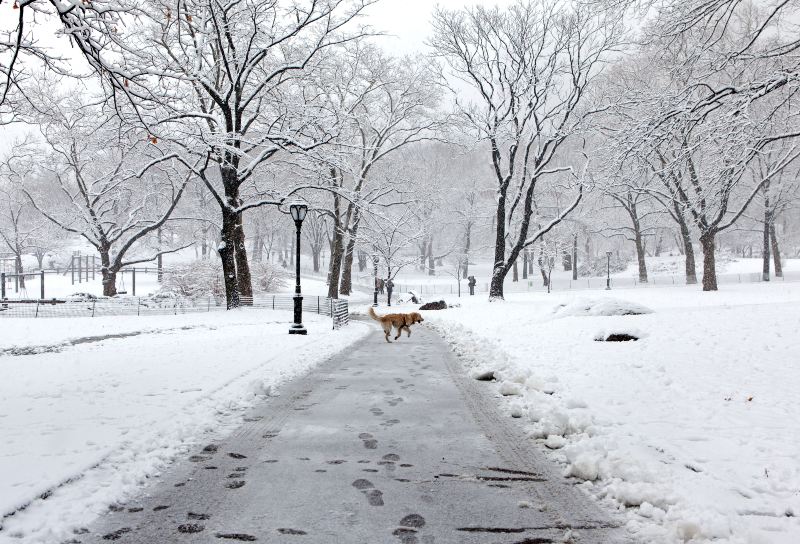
(398, 321)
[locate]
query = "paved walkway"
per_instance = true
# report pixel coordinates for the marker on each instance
(386, 444)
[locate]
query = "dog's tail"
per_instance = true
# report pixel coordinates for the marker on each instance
(372, 314)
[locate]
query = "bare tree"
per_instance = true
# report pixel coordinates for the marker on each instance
(530, 68)
(19, 225)
(386, 104)
(105, 191)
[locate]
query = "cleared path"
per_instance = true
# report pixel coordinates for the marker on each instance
(386, 444)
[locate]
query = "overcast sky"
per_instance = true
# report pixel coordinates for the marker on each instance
(408, 21)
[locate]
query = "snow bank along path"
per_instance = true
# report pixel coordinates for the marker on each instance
(102, 417)
(692, 430)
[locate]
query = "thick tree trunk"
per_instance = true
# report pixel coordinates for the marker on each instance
(109, 276)
(431, 260)
(243, 278)
(709, 262)
(499, 269)
(347, 273)
(227, 254)
(362, 261)
(514, 272)
(337, 253)
(776, 254)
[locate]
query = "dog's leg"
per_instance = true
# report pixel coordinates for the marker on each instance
(408, 330)
(387, 330)
(399, 332)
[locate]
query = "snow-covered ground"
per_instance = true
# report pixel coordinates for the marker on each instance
(101, 417)
(663, 271)
(691, 430)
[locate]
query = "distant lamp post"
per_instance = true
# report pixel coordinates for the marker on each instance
(608, 270)
(375, 260)
(298, 211)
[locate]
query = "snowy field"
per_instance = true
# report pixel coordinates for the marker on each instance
(88, 423)
(692, 430)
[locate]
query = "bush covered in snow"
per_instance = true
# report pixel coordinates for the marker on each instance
(202, 278)
(194, 279)
(267, 278)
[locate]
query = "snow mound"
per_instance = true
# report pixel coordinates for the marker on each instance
(599, 307)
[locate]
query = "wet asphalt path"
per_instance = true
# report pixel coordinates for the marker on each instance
(385, 444)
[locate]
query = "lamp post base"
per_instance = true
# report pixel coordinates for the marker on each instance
(297, 326)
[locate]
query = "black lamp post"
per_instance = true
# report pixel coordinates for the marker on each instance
(298, 211)
(608, 270)
(375, 260)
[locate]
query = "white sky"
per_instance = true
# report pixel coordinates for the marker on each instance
(408, 21)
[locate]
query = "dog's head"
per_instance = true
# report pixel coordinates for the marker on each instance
(416, 318)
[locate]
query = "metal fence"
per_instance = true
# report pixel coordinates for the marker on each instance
(337, 310)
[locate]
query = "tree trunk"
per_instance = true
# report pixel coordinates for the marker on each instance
(575, 257)
(514, 272)
(109, 276)
(243, 278)
(499, 269)
(362, 261)
(765, 251)
(337, 252)
(709, 262)
(637, 238)
(545, 280)
(227, 254)
(431, 260)
(640, 255)
(525, 259)
(688, 248)
(19, 270)
(776, 255)
(315, 258)
(347, 273)
(467, 244)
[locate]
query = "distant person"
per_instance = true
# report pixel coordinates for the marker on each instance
(472, 283)
(381, 285)
(389, 287)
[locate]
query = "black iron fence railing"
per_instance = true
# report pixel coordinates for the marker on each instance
(336, 309)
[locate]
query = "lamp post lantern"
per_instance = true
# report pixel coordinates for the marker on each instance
(608, 270)
(298, 211)
(375, 260)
